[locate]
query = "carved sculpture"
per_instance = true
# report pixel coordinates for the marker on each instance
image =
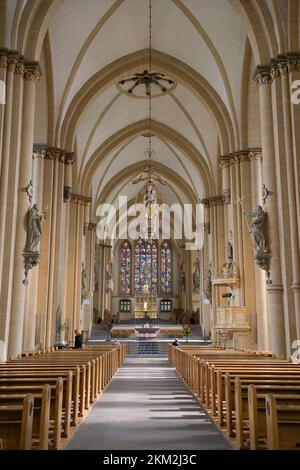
(208, 284)
(34, 230)
(196, 274)
(258, 230)
(83, 279)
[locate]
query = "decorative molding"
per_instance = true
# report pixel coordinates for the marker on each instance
(227, 196)
(3, 58)
(19, 70)
(89, 227)
(213, 201)
(31, 260)
(283, 65)
(67, 193)
(225, 161)
(39, 151)
(12, 60)
(255, 154)
(53, 153)
(70, 158)
(32, 71)
(80, 199)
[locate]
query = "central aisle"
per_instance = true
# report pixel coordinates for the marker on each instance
(146, 406)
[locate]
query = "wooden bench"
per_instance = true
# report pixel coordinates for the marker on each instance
(283, 422)
(16, 425)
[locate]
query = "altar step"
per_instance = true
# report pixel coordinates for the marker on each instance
(146, 348)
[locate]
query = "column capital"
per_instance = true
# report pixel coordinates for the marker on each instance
(262, 75)
(70, 158)
(80, 199)
(19, 70)
(39, 151)
(225, 161)
(213, 201)
(54, 153)
(89, 227)
(255, 154)
(282, 65)
(3, 58)
(12, 60)
(32, 71)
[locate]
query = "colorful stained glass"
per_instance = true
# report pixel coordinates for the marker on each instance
(125, 272)
(166, 268)
(145, 266)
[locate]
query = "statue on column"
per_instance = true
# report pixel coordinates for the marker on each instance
(83, 278)
(34, 230)
(229, 256)
(258, 230)
(109, 282)
(208, 284)
(196, 274)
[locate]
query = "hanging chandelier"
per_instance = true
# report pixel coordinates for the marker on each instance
(147, 79)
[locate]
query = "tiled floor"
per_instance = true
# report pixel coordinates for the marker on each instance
(146, 406)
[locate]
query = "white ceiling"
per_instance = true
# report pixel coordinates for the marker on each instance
(87, 35)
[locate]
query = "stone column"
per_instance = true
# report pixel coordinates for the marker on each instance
(3, 73)
(31, 76)
(11, 64)
(65, 315)
(274, 288)
(248, 268)
(30, 313)
(11, 209)
(292, 196)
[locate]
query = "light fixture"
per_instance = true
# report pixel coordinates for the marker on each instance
(147, 78)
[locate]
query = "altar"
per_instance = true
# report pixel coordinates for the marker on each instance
(147, 332)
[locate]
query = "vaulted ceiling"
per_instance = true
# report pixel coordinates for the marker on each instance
(89, 45)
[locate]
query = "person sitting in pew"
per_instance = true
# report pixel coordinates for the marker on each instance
(78, 340)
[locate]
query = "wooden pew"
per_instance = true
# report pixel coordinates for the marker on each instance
(16, 425)
(16, 394)
(283, 423)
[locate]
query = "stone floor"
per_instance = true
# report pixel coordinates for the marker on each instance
(146, 406)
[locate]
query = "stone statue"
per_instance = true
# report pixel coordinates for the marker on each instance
(258, 229)
(196, 274)
(109, 282)
(183, 280)
(83, 278)
(34, 231)
(229, 256)
(208, 285)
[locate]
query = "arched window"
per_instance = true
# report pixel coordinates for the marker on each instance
(145, 266)
(166, 268)
(125, 271)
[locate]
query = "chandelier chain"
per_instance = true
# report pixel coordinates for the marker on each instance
(150, 71)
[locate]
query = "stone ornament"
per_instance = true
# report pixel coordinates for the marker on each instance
(31, 254)
(265, 193)
(29, 190)
(258, 232)
(196, 275)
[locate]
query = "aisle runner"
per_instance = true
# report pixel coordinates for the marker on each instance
(146, 406)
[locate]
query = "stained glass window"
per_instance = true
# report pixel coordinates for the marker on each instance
(125, 305)
(125, 273)
(145, 266)
(166, 268)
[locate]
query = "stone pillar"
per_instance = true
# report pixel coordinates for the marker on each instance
(31, 76)
(30, 314)
(292, 197)
(3, 73)
(274, 288)
(263, 336)
(11, 209)
(11, 64)
(248, 267)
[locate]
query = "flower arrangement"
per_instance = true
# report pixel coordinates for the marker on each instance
(186, 331)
